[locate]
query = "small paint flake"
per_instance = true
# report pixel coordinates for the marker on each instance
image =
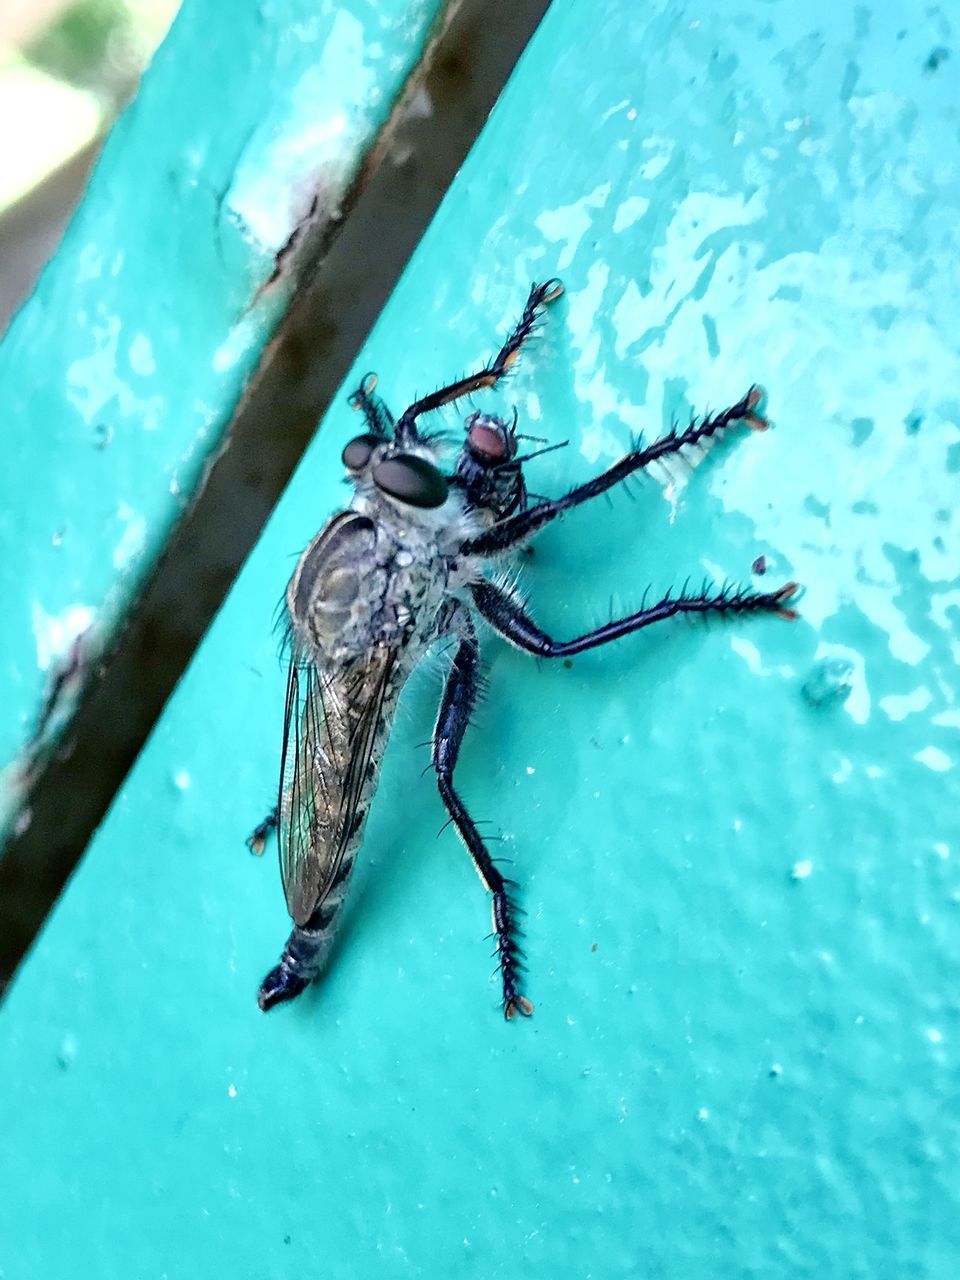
(775, 1070)
(231, 1090)
(934, 759)
(530, 769)
(132, 540)
(67, 1052)
(55, 634)
(802, 869)
(141, 356)
(703, 1114)
(234, 347)
(181, 780)
(843, 771)
(629, 211)
(934, 1036)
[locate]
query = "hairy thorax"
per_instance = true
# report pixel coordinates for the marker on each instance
(376, 575)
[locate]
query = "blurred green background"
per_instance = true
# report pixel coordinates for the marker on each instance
(66, 70)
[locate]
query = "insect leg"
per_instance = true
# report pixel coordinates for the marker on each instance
(258, 836)
(459, 699)
(378, 417)
(508, 617)
(540, 295)
(513, 531)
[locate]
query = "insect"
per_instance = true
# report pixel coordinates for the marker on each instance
(406, 565)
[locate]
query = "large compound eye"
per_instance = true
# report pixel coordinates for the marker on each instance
(488, 441)
(358, 452)
(412, 480)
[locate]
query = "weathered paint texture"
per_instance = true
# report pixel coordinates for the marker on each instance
(742, 876)
(119, 376)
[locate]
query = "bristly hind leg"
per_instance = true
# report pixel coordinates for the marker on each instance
(507, 616)
(257, 839)
(540, 296)
(459, 699)
(516, 529)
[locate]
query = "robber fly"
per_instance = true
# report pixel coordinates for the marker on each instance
(405, 566)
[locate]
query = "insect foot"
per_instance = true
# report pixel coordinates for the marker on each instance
(755, 421)
(257, 839)
(520, 1003)
(791, 591)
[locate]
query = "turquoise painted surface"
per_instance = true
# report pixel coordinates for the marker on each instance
(743, 937)
(119, 376)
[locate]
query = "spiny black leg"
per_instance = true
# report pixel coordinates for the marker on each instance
(257, 838)
(459, 699)
(540, 295)
(378, 417)
(514, 530)
(507, 616)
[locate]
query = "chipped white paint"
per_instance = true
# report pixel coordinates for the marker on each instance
(308, 144)
(55, 633)
(934, 758)
(132, 539)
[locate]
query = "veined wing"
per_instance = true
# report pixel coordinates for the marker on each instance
(330, 727)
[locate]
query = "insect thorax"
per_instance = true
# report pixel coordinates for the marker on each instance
(373, 576)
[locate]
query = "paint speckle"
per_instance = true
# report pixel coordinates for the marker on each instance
(935, 59)
(234, 347)
(629, 211)
(141, 356)
(933, 758)
(181, 780)
(55, 634)
(802, 869)
(132, 540)
(67, 1053)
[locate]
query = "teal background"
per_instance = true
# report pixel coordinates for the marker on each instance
(743, 938)
(119, 377)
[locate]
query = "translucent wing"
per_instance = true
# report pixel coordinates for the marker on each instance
(330, 728)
